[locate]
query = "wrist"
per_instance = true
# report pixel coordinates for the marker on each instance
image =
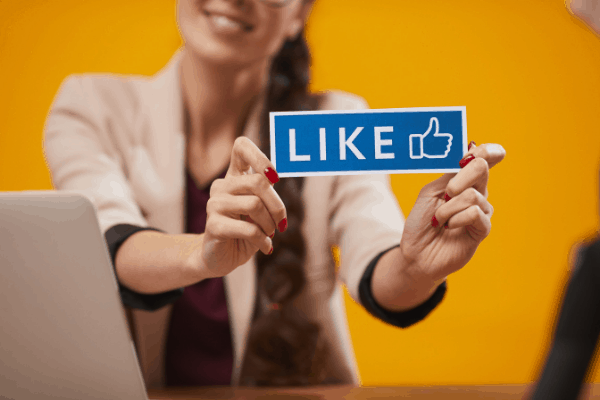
(412, 270)
(400, 284)
(195, 262)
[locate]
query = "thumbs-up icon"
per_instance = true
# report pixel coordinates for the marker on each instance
(430, 146)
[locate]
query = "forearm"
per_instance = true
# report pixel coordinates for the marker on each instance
(397, 287)
(154, 262)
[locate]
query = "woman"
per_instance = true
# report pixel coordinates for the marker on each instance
(178, 169)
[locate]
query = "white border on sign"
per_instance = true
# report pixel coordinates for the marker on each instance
(374, 172)
(272, 135)
(272, 115)
(465, 136)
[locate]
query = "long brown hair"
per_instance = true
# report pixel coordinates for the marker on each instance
(283, 346)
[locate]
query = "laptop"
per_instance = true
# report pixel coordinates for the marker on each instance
(63, 331)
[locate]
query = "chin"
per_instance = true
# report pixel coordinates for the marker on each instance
(218, 54)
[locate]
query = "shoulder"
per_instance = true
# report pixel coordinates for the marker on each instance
(119, 91)
(123, 99)
(102, 92)
(340, 100)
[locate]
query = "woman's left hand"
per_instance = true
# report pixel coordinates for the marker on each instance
(451, 216)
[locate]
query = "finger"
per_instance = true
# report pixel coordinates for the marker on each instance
(256, 185)
(491, 152)
(474, 220)
(586, 11)
(437, 188)
(246, 158)
(474, 174)
(225, 228)
(250, 205)
(249, 219)
(470, 197)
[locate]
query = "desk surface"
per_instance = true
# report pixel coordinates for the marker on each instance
(501, 392)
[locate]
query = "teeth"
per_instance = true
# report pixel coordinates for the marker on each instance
(224, 22)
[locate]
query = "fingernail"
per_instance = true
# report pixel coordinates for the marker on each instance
(467, 159)
(282, 226)
(434, 222)
(272, 235)
(272, 176)
(471, 143)
(270, 251)
(446, 197)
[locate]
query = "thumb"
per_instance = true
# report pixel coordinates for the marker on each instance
(434, 126)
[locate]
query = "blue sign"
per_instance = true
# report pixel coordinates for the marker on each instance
(390, 141)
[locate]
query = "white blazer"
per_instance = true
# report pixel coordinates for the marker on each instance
(120, 140)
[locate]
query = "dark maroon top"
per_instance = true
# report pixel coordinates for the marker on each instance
(199, 350)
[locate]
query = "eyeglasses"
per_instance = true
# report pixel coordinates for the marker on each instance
(277, 3)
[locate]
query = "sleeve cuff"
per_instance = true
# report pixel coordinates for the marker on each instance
(115, 237)
(401, 319)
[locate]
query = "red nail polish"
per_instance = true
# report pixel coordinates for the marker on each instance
(446, 197)
(270, 251)
(434, 222)
(282, 226)
(272, 175)
(272, 235)
(471, 143)
(463, 163)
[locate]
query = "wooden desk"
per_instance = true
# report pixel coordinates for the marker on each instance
(488, 392)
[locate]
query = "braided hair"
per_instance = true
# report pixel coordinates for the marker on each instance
(283, 346)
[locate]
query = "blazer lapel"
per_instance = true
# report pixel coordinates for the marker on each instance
(167, 146)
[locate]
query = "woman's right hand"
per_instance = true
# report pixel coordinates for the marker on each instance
(243, 211)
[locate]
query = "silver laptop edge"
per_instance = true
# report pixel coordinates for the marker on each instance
(63, 331)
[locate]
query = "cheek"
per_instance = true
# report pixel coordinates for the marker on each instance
(273, 39)
(275, 32)
(188, 15)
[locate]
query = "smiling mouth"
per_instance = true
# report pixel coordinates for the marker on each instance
(226, 23)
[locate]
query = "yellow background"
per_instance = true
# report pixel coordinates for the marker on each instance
(528, 73)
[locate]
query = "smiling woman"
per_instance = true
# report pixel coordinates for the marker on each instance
(527, 72)
(220, 33)
(178, 169)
